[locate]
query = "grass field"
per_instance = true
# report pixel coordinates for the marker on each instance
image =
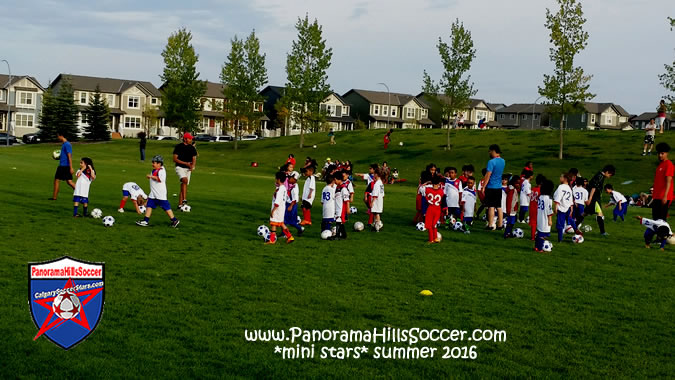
(178, 301)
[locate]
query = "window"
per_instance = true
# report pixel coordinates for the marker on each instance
(338, 111)
(512, 116)
(501, 116)
(583, 117)
(153, 101)
(410, 113)
(376, 109)
(424, 113)
(322, 107)
(593, 119)
(385, 111)
(2, 95)
(25, 98)
(83, 97)
(345, 111)
(134, 102)
(111, 100)
(535, 116)
(524, 116)
(393, 111)
(24, 120)
(329, 109)
(132, 122)
(609, 120)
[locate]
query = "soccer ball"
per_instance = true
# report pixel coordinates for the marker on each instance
(353, 210)
(420, 226)
(379, 225)
(326, 234)
(314, 146)
(519, 233)
(66, 305)
(96, 213)
(439, 236)
(401, 143)
(527, 220)
(548, 246)
(108, 221)
(263, 230)
(569, 230)
(671, 239)
(185, 208)
(458, 226)
(587, 228)
(142, 209)
(358, 226)
(578, 239)
(56, 154)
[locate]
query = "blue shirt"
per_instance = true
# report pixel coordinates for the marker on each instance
(496, 167)
(65, 149)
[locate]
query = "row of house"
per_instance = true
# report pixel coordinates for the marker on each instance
(135, 106)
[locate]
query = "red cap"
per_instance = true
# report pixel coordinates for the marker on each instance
(187, 135)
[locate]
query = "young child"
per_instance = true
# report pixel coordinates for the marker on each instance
(659, 228)
(85, 176)
(421, 203)
(137, 195)
(328, 202)
(544, 212)
(157, 195)
(377, 201)
(481, 194)
(369, 178)
(511, 209)
(505, 189)
(453, 192)
(534, 205)
(467, 171)
(433, 195)
(564, 202)
(278, 209)
(341, 194)
(308, 194)
(580, 197)
(469, 202)
(621, 207)
(292, 197)
(525, 191)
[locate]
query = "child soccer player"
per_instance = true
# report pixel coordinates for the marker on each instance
(421, 203)
(511, 209)
(433, 195)
(659, 228)
(278, 209)
(544, 212)
(564, 202)
(85, 176)
(308, 194)
(469, 202)
(534, 205)
(328, 202)
(621, 207)
(137, 195)
(453, 192)
(292, 196)
(341, 194)
(157, 195)
(377, 201)
(593, 205)
(505, 188)
(580, 197)
(480, 191)
(525, 191)
(369, 177)
(467, 171)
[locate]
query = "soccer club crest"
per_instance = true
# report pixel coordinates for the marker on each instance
(66, 299)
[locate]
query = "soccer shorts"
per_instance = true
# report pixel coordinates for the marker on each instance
(83, 200)
(306, 205)
(183, 173)
(163, 204)
(493, 198)
(126, 193)
(649, 139)
(63, 173)
(593, 208)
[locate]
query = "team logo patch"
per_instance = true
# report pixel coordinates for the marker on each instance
(66, 299)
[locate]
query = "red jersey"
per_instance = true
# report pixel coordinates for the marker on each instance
(665, 169)
(434, 197)
(534, 204)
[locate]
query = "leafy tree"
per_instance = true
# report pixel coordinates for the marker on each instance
(566, 90)
(59, 113)
(182, 88)
(306, 67)
(283, 113)
(98, 117)
(455, 89)
(150, 118)
(668, 78)
(243, 76)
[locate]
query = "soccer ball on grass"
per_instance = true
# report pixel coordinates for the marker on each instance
(548, 246)
(142, 209)
(519, 233)
(420, 226)
(263, 230)
(96, 213)
(358, 226)
(353, 210)
(185, 208)
(108, 221)
(326, 234)
(56, 154)
(578, 239)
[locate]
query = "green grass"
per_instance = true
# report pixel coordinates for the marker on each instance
(178, 301)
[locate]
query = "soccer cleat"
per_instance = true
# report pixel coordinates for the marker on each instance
(142, 223)
(649, 153)
(270, 242)
(175, 223)
(290, 240)
(184, 201)
(305, 223)
(76, 216)
(644, 153)
(120, 210)
(605, 234)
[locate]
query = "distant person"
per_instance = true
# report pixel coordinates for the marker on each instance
(661, 117)
(650, 134)
(492, 183)
(595, 188)
(331, 134)
(663, 195)
(387, 138)
(143, 141)
(291, 159)
(64, 172)
(185, 157)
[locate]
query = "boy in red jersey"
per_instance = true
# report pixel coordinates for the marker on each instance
(433, 195)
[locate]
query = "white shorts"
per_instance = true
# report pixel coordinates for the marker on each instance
(659, 121)
(183, 173)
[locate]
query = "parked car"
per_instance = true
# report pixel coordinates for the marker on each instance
(163, 138)
(3, 139)
(224, 138)
(31, 138)
(203, 137)
(248, 137)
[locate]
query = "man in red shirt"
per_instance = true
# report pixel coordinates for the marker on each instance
(663, 183)
(433, 195)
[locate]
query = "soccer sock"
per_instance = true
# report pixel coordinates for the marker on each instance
(84, 210)
(273, 237)
(508, 230)
(522, 214)
(74, 210)
(287, 232)
(370, 218)
(122, 203)
(560, 234)
(601, 223)
(174, 219)
(146, 219)
(432, 236)
(533, 229)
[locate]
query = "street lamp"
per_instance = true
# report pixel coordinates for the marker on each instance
(388, 103)
(9, 83)
(533, 105)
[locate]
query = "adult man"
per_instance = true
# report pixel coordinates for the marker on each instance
(663, 195)
(650, 132)
(595, 188)
(185, 157)
(64, 172)
(492, 183)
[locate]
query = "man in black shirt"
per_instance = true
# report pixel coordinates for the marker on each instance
(185, 157)
(593, 204)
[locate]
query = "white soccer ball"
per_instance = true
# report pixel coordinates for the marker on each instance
(108, 221)
(56, 154)
(671, 239)
(439, 236)
(353, 210)
(263, 230)
(548, 246)
(185, 208)
(401, 143)
(358, 226)
(578, 239)
(569, 230)
(519, 233)
(96, 213)
(326, 234)
(587, 228)
(420, 226)
(449, 219)
(66, 305)
(142, 209)
(458, 226)
(314, 146)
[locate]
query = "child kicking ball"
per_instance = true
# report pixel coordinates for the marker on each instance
(137, 195)
(158, 193)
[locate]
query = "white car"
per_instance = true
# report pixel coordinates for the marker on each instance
(161, 138)
(248, 137)
(224, 138)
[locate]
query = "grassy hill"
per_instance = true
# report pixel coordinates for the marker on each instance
(178, 302)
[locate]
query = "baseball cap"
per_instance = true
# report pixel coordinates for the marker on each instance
(187, 135)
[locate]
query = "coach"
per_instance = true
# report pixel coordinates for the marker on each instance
(663, 183)
(492, 183)
(185, 157)
(64, 172)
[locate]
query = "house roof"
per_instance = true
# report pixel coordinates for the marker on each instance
(338, 97)
(277, 89)
(214, 90)
(592, 107)
(495, 106)
(384, 97)
(107, 85)
(426, 122)
(473, 103)
(646, 116)
(523, 108)
(4, 80)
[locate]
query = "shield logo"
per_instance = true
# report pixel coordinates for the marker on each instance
(66, 299)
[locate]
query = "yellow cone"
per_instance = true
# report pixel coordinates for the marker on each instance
(426, 293)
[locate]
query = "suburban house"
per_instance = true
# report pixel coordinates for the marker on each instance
(478, 110)
(523, 116)
(25, 103)
(640, 121)
(337, 111)
(379, 109)
(127, 100)
(596, 115)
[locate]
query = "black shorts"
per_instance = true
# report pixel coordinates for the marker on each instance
(493, 198)
(649, 139)
(590, 209)
(306, 205)
(63, 173)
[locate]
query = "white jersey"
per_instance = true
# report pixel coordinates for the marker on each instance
(158, 188)
(368, 178)
(504, 198)
(580, 195)
(279, 200)
(134, 190)
(82, 184)
(378, 197)
(339, 198)
(616, 196)
(453, 191)
(655, 224)
(309, 187)
(563, 197)
(469, 200)
(544, 209)
(525, 191)
(328, 201)
(350, 188)
(293, 194)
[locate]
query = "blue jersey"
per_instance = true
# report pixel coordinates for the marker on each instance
(496, 167)
(65, 149)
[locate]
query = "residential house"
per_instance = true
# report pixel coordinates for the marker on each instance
(378, 109)
(639, 122)
(595, 115)
(337, 111)
(478, 110)
(523, 116)
(25, 103)
(126, 99)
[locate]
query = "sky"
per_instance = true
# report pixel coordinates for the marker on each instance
(389, 41)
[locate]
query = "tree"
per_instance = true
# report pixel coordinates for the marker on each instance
(668, 78)
(150, 118)
(566, 90)
(243, 76)
(454, 91)
(306, 67)
(182, 89)
(59, 113)
(283, 113)
(98, 117)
